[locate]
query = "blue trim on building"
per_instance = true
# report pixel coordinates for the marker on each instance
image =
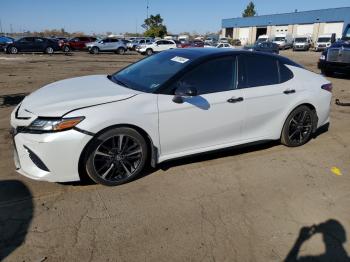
(341, 14)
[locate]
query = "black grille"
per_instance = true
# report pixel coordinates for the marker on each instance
(36, 160)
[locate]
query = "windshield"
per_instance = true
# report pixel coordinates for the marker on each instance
(281, 38)
(148, 74)
(324, 39)
(301, 40)
(260, 40)
(347, 34)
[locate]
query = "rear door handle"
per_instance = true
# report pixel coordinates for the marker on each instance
(289, 91)
(235, 100)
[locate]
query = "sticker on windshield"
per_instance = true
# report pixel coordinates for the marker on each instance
(179, 59)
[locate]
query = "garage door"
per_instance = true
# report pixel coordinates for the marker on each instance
(330, 28)
(306, 29)
(281, 29)
(244, 35)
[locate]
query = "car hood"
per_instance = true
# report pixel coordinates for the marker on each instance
(61, 97)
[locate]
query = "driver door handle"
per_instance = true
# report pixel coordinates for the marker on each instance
(235, 100)
(289, 91)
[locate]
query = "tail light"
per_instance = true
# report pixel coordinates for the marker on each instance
(327, 87)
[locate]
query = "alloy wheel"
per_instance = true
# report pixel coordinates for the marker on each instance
(300, 127)
(117, 158)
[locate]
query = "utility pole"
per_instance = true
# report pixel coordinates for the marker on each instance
(147, 10)
(11, 30)
(0, 27)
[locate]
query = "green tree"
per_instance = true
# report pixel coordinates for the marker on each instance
(155, 27)
(250, 10)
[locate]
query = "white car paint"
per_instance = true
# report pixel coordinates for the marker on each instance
(224, 45)
(200, 124)
(158, 46)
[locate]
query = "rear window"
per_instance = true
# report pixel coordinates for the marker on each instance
(258, 70)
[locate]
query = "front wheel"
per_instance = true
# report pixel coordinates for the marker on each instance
(13, 50)
(94, 50)
(66, 49)
(298, 127)
(116, 156)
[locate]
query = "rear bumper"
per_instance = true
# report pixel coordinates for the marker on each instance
(52, 157)
(334, 66)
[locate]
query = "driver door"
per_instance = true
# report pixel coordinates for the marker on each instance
(212, 118)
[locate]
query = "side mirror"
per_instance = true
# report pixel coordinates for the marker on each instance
(333, 38)
(181, 92)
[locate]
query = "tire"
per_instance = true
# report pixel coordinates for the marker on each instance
(297, 130)
(13, 50)
(49, 50)
(149, 51)
(94, 50)
(326, 72)
(66, 49)
(116, 156)
(120, 51)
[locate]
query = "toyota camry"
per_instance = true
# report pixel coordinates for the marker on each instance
(170, 105)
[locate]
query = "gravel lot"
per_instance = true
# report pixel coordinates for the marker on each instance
(242, 204)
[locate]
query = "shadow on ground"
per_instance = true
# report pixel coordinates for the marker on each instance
(16, 212)
(334, 237)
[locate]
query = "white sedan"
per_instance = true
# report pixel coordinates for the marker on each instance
(177, 103)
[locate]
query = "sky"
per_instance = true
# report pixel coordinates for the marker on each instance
(119, 16)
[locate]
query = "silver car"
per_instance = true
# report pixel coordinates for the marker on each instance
(107, 45)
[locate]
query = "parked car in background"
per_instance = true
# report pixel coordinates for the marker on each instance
(157, 46)
(78, 43)
(34, 44)
(224, 45)
(135, 43)
(223, 40)
(190, 44)
(262, 38)
(107, 45)
(336, 58)
(323, 42)
(303, 43)
(284, 41)
(112, 127)
(4, 41)
(267, 47)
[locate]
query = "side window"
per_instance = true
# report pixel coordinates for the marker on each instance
(38, 40)
(213, 76)
(258, 70)
(160, 42)
(285, 73)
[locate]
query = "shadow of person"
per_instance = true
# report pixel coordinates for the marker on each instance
(334, 236)
(16, 212)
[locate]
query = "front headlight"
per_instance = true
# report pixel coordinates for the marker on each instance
(322, 57)
(46, 124)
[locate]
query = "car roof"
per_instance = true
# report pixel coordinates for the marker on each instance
(206, 53)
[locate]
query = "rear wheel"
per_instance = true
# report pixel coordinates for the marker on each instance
(120, 51)
(116, 156)
(49, 50)
(298, 127)
(149, 51)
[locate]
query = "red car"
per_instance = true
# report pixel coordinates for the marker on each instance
(78, 43)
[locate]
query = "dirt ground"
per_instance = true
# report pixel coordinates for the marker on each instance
(242, 204)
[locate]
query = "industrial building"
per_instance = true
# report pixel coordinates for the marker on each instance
(313, 23)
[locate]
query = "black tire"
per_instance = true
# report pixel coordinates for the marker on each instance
(49, 50)
(327, 72)
(94, 50)
(149, 51)
(116, 156)
(66, 49)
(297, 129)
(13, 50)
(120, 51)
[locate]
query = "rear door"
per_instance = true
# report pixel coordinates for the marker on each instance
(39, 44)
(267, 90)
